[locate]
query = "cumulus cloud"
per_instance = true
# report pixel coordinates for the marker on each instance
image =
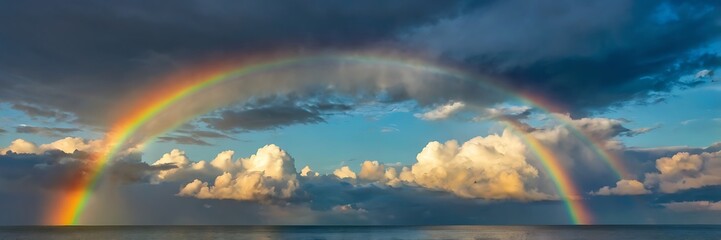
(372, 171)
(67, 145)
(21, 146)
(269, 174)
(686, 171)
(307, 172)
(344, 172)
(71, 144)
(623, 187)
(442, 111)
(183, 167)
(693, 206)
(492, 167)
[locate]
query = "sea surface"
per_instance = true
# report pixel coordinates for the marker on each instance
(632, 232)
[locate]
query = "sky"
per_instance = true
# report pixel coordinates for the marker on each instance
(360, 112)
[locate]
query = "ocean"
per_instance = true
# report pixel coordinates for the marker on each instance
(631, 232)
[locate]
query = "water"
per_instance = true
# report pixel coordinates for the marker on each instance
(655, 232)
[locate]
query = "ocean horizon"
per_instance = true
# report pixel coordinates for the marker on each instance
(485, 232)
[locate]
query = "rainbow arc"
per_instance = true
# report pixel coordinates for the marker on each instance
(72, 204)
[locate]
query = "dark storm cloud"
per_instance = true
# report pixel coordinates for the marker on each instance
(82, 57)
(46, 131)
(585, 55)
(56, 170)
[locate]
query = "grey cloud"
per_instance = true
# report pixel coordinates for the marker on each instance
(204, 134)
(263, 118)
(188, 140)
(191, 135)
(34, 111)
(59, 171)
(278, 111)
(638, 131)
(46, 131)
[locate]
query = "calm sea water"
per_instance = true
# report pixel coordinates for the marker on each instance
(658, 232)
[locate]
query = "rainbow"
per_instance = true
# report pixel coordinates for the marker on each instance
(615, 164)
(577, 211)
(71, 205)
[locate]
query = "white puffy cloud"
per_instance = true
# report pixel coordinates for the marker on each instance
(623, 187)
(272, 161)
(686, 171)
(224, 161)
(442, 112)
(693, 206)
(241, 186)
(21, 146)
(70, 144)
(344, 172)
(67, 145)
(184, 167)
(492, 167)
(268, 174)
(307, 172)
(372, 171)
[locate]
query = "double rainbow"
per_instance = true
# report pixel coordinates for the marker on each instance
(72, 204)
